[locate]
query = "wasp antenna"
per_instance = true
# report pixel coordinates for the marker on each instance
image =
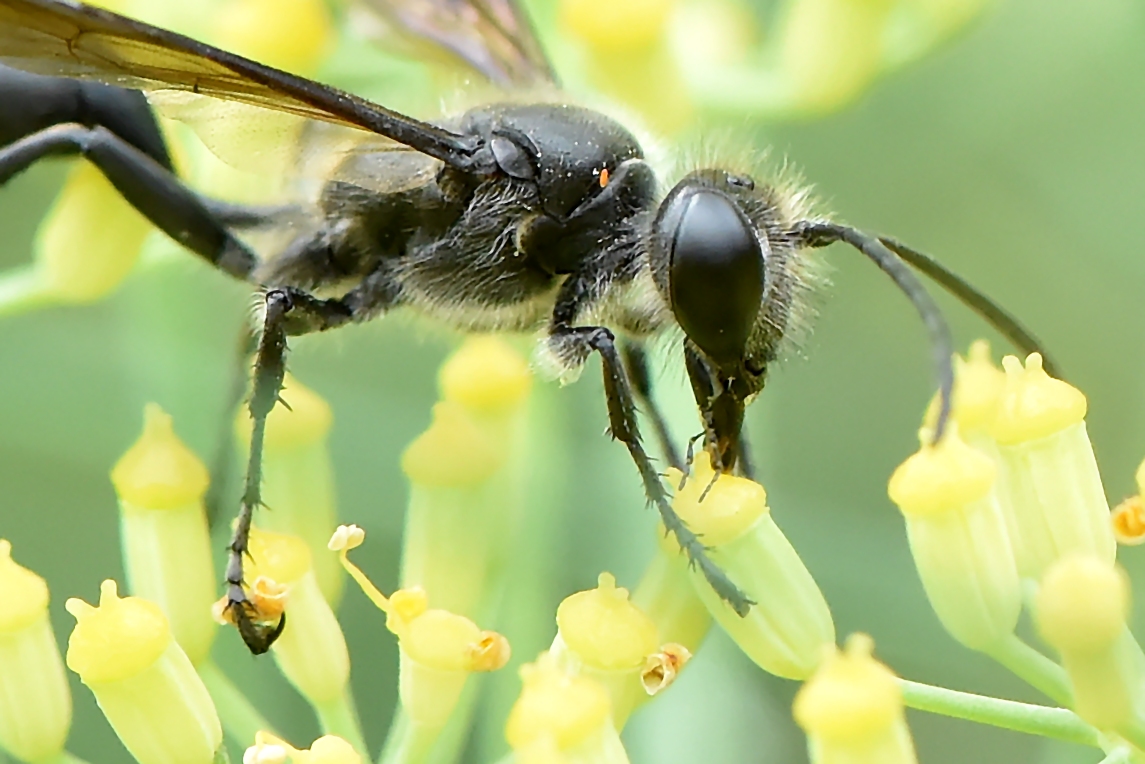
(994, 314)
(819, 234)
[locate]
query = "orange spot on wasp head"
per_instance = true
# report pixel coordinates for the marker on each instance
(604, 177)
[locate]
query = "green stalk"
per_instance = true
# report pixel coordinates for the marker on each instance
(241, 720)
(407, 742)
(1118, 756)
(1057, 723)
(21, 290)
(1032, 667)
(339, 717)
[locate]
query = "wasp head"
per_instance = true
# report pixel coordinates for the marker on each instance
(721, 258)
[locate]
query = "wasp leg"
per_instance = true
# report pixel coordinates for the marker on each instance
(636, 362)
(624, 427)
(572, 346)
(156, 192)
(288, 311)
(31, 102)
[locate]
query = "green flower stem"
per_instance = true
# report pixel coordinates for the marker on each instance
(454, 736)
(1118, 756)
(407, 742)
(1032, 667)
(1057, 723)
(21, 290)
(241, 720)
(339, 717)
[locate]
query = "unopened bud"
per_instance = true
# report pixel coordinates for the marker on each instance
(852, 710)
(35, 704)
(142, 679)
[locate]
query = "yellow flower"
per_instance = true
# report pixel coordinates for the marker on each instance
(74, 265)
(562, 719)
(852, 710)
(287, 34)
(142, 680)
(35, 705)
(1054, 488)
(1081, 609)
(959, 540)
(439, 649)
(328, 749)
(602, 635)
(163, 527)
(789, 625)
(311, 652)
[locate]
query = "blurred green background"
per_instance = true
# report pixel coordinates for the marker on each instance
(1015, 154)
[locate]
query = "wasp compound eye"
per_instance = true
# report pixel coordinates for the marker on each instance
(715, 272)
(511, 158)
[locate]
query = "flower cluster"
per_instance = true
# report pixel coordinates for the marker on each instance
(1006, 513)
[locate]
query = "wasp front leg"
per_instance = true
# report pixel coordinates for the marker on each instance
(571, 345)
(636, 364)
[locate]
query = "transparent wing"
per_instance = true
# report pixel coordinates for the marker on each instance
(282, 147)
(66, 38)
(493, 37)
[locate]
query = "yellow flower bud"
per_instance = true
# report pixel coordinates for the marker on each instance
(331, 749)
(159, 472)
(35, 704)
(830, 50)
(142, 680)
(485, 374)
(565, 714)
(452, 452)
(852, 710)
(74, 265)
(311, 652)
(1034, 405)
(629, 57)
(287, 34)
(298, 476)
(602, 635)
(1081, 609)
(604, 629)
(166, 543)
(608, 26)
(959, 540)
(789, 625)
(1055, 496)
(328, 749)
(978, 390)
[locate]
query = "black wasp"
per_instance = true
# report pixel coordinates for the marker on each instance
(510, 217)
